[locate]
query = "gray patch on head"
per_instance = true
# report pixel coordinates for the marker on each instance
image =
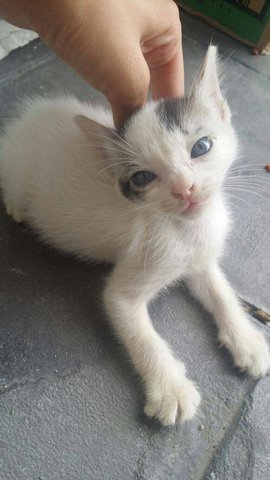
(169, 112)
(129, 192)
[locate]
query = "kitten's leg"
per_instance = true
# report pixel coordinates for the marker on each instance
(235, 331)
(169, 393)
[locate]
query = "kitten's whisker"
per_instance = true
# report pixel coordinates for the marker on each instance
(123, 147)
(257, 191)
(251, 182)
(249, 178)
(256, 188)
(137, 208)
(240, 189)
(247, 164)
(111, 140)
(123, 140)
(100, 147)
(239, 198)
(228, 57)
(147, 249)
(249, 175)
(141, 249)
(247, 167)
(143, 207)
(102, 161)
(258, 185)
(119, 144)
(113, 165)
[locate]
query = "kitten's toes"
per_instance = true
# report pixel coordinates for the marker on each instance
(250, 352)
(17, 213)
(173, 401)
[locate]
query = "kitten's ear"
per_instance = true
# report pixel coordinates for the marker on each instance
(207, 85)
(97, 134)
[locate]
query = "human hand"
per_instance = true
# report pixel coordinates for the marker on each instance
(121, 47)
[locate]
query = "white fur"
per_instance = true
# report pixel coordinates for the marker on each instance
(60, 167)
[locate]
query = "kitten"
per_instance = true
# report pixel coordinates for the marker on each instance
(147, 198)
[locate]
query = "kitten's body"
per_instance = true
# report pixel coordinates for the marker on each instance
(71, 179)
(66, 175)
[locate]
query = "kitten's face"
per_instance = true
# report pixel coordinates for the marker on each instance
(180, 152)
(172, 155)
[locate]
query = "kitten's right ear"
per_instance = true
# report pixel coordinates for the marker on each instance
(96, 133)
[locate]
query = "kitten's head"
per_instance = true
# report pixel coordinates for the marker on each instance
(173, 155)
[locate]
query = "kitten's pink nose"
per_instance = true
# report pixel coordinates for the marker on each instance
(184, 192)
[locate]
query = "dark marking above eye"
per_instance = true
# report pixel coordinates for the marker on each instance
(201, 147)
(169, 112)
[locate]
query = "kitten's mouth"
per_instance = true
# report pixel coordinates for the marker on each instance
(194, 206)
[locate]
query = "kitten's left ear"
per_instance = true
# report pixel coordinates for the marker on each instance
(207, 85)
(97, 134)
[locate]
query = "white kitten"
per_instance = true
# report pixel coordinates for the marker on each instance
(148, 198)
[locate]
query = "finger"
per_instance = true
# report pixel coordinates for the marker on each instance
(128, 85)
(164, 57)
(167, 80)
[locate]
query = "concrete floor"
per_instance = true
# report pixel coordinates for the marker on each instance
(71, 406)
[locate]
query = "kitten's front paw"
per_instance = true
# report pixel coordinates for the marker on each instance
(249, 350)
(17, 213)
(172, 400)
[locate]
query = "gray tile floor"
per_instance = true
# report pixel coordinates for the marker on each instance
(71, 407)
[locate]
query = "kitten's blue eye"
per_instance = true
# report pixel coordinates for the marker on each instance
(140, 179)
(201, 147)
